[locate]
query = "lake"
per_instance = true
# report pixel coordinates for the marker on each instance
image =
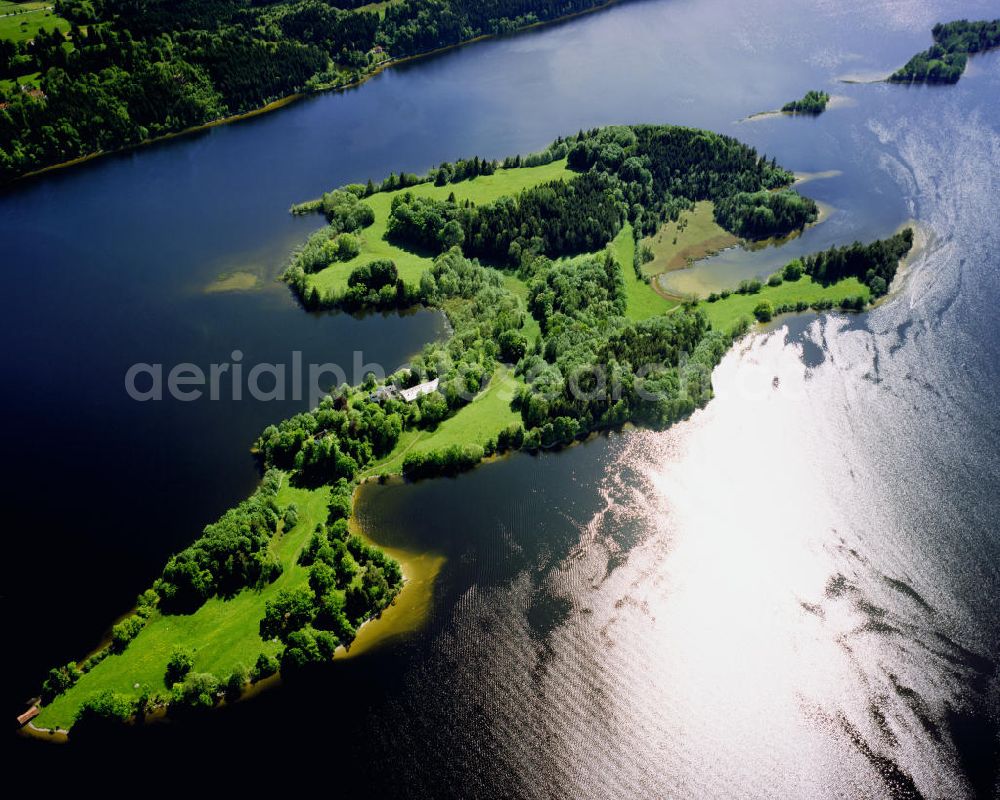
(793, 593)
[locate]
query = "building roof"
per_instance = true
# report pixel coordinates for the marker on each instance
(382, 392)
(411, 394)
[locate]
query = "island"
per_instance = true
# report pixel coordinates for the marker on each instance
(945, 60)
(84, 77)
(813, 102)
(555, 334)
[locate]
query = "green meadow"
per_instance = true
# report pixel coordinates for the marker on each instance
(223, 633)
(480, 190)
(725, 313)
(20, 22)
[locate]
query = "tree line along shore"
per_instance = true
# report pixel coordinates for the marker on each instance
(946, 59)
(94, 76)
(538, 263)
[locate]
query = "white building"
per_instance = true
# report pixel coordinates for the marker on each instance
(411, 394)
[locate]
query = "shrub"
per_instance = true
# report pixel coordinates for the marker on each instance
(792, 270)
(291, 517)
(104, 712)
(774, 280)
(347, 247)
(59, 680)
(125, 631)
(763, 311)
(199, 690)
(449, 461)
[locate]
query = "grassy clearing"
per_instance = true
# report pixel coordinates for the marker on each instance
(30, 80)
(642, 300)
(482, 419)
(531, 329)
(694, 236)
(222, 633)
(378, 8)
(20, 22)
(483, 189)
(725, 313)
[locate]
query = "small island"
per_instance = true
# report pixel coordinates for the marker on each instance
(555, 333)
(814, 102)
(945, 60)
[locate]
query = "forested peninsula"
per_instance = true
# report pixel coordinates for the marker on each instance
(555, 333)
(945, 60)
(108, 74)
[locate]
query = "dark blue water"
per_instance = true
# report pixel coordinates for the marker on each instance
(723, 610)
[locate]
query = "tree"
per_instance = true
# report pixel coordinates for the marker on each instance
(451, 234)
(322, 578)
(264, 667)
(513, 346)
(237, 679)
(178, 666)
(288, 611)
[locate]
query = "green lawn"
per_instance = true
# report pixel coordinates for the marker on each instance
(20, 22)
(725, 313)
(482, 419)
(483, 189)
(222, 633)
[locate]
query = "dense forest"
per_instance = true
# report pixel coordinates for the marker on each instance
(873, 264)
(944, 61)
(554, 219)
(813, 102)
(130, 70)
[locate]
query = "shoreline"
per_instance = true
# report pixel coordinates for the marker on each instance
(407, 612)
(281, 102)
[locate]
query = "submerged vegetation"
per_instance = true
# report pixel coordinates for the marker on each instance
(945, 60)
(547, 344)
(813, 102)
(109, 73)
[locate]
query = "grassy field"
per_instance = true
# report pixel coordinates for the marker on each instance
(483, 189)
(695, 235)
(482, 419)
(379, 8)
(222, 633)
(31, 80)
(725, 313)
(531, 329)
(642, 301)
(20, 22)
